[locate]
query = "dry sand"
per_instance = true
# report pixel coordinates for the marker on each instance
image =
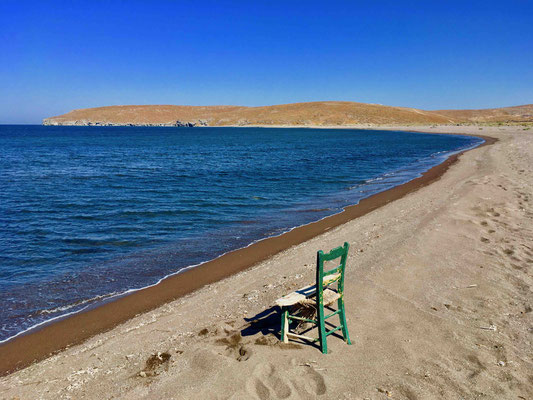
(438, 295)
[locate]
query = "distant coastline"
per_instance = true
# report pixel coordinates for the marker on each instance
(315, 114)
(179, 124)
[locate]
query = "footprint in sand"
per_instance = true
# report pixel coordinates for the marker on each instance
(310, 383)
(267, 382)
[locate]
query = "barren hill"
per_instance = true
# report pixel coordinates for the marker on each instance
(297, 114)
(316, 113)
(504, 114)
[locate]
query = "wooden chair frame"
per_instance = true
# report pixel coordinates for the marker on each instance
(323, 280)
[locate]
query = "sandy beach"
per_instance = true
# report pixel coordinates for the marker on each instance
(438, 296)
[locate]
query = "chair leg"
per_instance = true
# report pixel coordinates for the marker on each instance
(342, 316)
(284, 325)
(322, 330)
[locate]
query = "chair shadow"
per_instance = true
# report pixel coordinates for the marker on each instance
(266, 322)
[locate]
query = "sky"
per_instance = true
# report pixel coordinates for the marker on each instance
(56, 56)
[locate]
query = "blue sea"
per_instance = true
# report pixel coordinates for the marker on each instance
(88, 213)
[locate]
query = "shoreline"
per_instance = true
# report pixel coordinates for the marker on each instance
(37, 345)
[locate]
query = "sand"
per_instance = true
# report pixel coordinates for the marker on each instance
(438, 295)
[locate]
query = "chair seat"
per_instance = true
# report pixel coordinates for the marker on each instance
(305, 295)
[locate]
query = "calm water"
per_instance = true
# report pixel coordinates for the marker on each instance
(89, 212)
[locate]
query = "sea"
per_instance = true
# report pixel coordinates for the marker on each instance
(91, 213)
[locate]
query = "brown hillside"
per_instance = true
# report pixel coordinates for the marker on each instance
(316, 113)
(298, 114)
(505, 114)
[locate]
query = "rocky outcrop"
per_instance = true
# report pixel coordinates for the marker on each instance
(200, 122)
(180, 124)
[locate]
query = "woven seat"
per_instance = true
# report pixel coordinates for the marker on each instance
(302, 295)
(330, 297)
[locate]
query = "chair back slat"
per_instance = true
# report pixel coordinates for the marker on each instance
(336, 270)
(333, 254)
(321, 276)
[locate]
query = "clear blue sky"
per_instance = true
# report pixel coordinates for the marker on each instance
(59, 55)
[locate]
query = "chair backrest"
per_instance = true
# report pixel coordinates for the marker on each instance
(336, 274)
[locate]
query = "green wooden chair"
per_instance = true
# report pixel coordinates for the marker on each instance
(320, 296)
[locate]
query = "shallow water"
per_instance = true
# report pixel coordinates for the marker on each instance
(89, 212)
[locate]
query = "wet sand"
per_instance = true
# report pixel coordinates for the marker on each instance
(402, 266)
